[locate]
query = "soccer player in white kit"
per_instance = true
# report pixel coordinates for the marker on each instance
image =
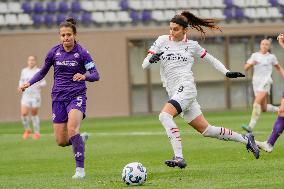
(176, 56)
(31, 99)
(262, 62)
(278, 127)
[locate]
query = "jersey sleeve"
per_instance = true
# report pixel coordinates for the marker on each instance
(21, 81)
(49, 60)
(198, 51)
(156, 46)
(87, 60)
(252, 59)
(92, 73)
(274, 60)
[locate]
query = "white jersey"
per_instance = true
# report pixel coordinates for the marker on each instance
(177, 60)
(26, 75)
(262, 70)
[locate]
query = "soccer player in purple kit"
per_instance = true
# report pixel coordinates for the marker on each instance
(73, 66)
(279, 123)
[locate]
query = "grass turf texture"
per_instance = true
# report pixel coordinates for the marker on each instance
(114, 142)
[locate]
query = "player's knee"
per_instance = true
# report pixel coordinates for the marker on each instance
(24, 114)
(34, 113)
(281, 112)
(62, 144)
(263, 109)
(164, 116)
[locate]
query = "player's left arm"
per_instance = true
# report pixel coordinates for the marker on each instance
(280, 69)
(277, 66)
(202, 53)
(220, 67)
(91, 74)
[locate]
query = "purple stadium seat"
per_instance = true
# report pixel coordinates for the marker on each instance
(274, 3)
(86, 18)
(51, 7)
(146, 15)
(27, 8)
(60, 18)
(75, 6)
(63, 7)
(239, 13)
(124, 5)
(228, 3)
(282, 10)
(38, 7)
(134, 16)
(228, 12)
(49, 19)
(37, 19)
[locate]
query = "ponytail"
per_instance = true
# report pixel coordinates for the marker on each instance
(186, 19)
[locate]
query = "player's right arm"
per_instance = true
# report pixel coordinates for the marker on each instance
(154, 53)
(21, 81)
(280, 39)
(250, 62)
(41, 73)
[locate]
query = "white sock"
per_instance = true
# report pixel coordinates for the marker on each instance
(25, 122)
(224, 134)
(271, 108)
(172, 132)
(36, 121)
(254, 115)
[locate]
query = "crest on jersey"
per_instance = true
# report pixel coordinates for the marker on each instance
(76, 55)
(53, 116)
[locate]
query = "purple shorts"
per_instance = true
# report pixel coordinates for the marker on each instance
(60, 109)
(283, 94)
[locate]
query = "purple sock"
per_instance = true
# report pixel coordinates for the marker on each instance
(277, 130)
(78, 149)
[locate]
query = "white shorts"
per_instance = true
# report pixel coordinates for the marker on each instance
(31, 101)
(261, 87)
(185, 95)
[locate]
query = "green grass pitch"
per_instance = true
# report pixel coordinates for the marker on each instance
(114, 142)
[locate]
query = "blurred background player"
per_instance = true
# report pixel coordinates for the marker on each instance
(31, 99)
(262, 63)
(73, 66)
(279, 123)
(176, 54)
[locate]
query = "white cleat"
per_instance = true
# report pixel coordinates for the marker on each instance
(79, 174)
(264, 146)
(85, 136)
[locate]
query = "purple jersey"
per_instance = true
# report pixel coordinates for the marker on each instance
(66, 65)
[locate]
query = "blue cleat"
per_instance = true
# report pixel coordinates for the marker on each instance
(176, 161)
(251, 145)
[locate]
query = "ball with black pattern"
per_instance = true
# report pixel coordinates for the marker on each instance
(134, 174)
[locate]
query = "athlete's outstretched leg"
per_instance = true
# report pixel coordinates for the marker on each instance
(207, 130)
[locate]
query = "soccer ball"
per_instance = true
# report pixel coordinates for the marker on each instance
(134, 174)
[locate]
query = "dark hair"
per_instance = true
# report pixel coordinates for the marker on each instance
(186, 19)
(71, 23)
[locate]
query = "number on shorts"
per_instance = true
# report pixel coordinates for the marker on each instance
(80, 101)
(180, 89)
